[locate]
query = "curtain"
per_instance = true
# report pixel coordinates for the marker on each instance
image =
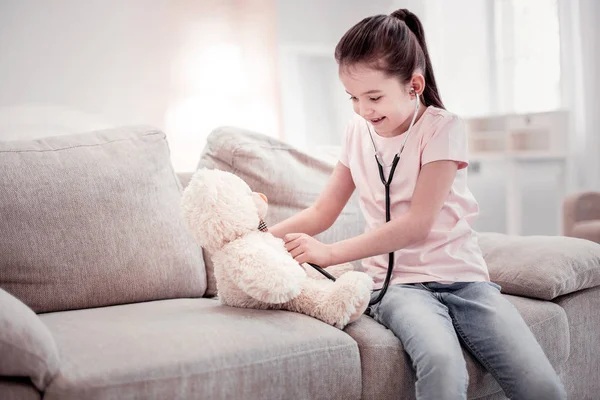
(580, 40)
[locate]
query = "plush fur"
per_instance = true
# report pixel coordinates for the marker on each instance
(252, 268)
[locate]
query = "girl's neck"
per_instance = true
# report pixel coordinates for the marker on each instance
(404, 126)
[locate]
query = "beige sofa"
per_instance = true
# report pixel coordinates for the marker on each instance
(106, 296)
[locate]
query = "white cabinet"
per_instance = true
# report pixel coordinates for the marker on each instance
(518, 171)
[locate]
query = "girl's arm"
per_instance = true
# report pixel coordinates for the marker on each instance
(323, 213)
(432, 188)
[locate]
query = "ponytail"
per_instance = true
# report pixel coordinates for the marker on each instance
(395, 44)
(431, 94)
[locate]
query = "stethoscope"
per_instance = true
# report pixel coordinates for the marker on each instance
(386, 183)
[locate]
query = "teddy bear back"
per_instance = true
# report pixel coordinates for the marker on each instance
(219, 208)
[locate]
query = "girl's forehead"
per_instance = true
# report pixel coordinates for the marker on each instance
(363, 78)
(361, 73)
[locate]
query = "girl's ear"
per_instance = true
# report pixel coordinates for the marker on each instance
(417, 83)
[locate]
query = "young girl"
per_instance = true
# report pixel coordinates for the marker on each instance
(439, 295)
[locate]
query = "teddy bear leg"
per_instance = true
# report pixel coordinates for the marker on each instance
(351, 290)
(335, 303)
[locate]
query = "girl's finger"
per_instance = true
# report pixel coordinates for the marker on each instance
(290, 237)
(300, 259)
(292, 245)
(296, 252)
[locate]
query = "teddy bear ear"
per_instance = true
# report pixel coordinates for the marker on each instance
(199, 196)
(201, 188)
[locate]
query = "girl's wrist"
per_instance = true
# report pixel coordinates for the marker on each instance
(334, 254)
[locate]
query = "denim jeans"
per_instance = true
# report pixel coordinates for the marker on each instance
(432, 320)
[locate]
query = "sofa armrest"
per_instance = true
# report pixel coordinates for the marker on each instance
(26, 345)
(543, 267)
(580, 207)
(589, 230)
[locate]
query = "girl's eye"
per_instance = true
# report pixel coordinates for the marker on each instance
(353, 98)
(375, 98)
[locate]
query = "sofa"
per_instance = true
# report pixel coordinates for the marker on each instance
(105, 295)
(581, 216)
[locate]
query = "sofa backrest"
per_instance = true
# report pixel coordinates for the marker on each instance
(290, 178)
(93, 219)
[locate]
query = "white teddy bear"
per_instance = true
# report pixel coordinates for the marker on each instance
(252, 267)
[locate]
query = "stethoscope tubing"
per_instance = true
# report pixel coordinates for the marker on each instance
(386, 183)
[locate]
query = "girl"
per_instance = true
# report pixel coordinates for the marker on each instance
(439, 295)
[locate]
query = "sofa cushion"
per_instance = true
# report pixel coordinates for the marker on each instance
(14, 389)
(290, 178)
(197, 348)
(94, 219)
(26, 345)
(388, 373)
(543, 267)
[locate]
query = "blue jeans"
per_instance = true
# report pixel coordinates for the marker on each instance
(432, 320)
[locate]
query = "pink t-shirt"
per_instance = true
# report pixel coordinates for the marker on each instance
(451, 252)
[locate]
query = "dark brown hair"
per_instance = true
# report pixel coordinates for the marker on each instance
(394, 44)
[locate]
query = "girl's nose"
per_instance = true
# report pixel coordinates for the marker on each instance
(364, 111)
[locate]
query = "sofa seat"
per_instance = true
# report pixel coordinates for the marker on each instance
(18, 389)
(197, 348)
(390, 375)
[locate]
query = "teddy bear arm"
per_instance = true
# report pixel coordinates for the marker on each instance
(264, 273)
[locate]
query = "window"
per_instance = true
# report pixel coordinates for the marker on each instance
(527, 56)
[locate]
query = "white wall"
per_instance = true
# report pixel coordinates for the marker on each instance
(462, 53)
(71, 64)
(324, 22)
(183, 66)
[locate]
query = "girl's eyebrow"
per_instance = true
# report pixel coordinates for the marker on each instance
(367, 92)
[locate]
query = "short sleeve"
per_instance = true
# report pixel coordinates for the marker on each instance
(344, 156)
(448, 141)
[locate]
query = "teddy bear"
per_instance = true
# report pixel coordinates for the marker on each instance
(252, 268)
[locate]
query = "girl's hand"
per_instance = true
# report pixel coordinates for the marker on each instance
(306, 249)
